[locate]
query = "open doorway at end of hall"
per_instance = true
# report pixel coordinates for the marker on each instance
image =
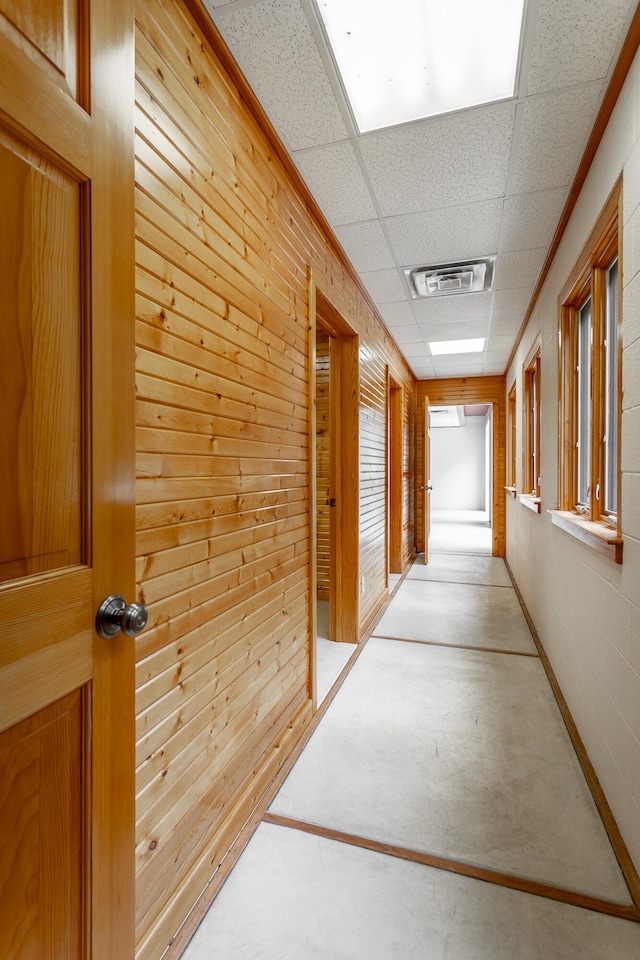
(460, 438)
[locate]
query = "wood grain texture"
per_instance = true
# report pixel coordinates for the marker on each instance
(41, 469)
(67, 485)
(227, 241)
(41, 834)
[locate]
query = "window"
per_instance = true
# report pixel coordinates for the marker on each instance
(590, 348)
(511, 438)
(531, 481)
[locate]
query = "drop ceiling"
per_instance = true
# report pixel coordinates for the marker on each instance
(489, 181)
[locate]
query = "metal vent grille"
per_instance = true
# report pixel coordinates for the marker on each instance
(451, 278)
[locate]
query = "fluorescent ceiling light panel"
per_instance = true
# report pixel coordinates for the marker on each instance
(439, 348)
(402, 60)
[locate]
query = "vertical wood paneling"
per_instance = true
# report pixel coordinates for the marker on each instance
(225, 241)
(469, 390)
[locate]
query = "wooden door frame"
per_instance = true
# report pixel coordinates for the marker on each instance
(345, 481)
(476, 390)
(426, 474)
(395, 453)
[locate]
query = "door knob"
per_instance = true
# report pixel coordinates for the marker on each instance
(427, 487)
(115, 615)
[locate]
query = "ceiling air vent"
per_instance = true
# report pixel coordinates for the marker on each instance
(451, 278)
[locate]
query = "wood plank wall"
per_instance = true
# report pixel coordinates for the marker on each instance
(322, 462)
(460, 391)
(226, 236)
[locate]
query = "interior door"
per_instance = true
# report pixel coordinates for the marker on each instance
(426, 481)
(66, 478)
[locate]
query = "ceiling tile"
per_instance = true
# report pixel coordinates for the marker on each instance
(365, 245)
(396, 314)
(423, 371)
(458, 366)
(416, 351)
(553, 134)
(406, 168)
(493, 369)
(453, 233)
(530, 219)
(518, 269)
(454, 330)
(335, 179)
(469, 306)
(407, 334)
(385, 286)
(590, 26)
(505, 326)
(496, 356)
(275, 48)
(508, 303)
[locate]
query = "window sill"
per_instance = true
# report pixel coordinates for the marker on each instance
(511, 491)
(533, 503)
(596, 535)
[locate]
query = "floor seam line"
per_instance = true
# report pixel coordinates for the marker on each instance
(460, 868)
(457, 646)
(460, 583)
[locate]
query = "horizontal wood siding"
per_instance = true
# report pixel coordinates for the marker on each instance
(322, 462)
(467, 390)
(226, 237)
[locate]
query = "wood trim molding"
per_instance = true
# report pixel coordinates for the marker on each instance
(620, 848)
(203, 19)
(618, 78)
(532, 503)
(594, 534)
(472, 871)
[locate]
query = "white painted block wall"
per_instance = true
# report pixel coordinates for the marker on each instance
(585, 607)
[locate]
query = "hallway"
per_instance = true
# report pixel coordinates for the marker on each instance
(438, 810)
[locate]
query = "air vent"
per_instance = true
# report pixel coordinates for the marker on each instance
(451, 278)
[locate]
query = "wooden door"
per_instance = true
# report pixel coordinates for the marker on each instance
(426, 481)
(66, 478)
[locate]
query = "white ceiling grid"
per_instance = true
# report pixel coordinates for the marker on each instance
(490, 180)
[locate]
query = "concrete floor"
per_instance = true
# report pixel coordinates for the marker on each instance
(440, 778)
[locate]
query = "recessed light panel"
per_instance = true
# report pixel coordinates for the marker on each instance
(408, 59)
(439, 348)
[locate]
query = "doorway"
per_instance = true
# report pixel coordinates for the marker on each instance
(461, 477)
(335, 378)
(469, 392)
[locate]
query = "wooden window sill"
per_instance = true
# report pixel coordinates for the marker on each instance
(511, 491)
(602, 538)
(533, 503)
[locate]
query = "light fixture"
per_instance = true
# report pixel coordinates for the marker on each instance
(411, 59)
(440, 348)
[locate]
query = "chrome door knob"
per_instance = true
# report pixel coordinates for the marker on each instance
(115, 615)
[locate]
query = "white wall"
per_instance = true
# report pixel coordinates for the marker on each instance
(585, 607)
(457, 462)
